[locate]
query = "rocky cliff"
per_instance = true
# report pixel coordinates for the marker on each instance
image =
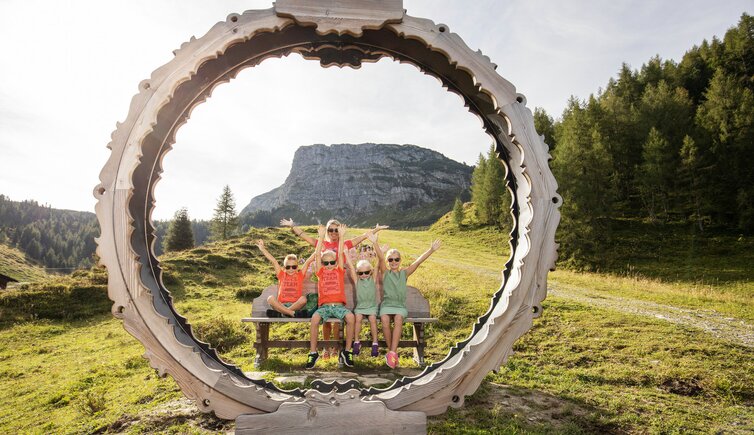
(400, 185)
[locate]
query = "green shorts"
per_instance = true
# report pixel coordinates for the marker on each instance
(287, 304)
(337, 311)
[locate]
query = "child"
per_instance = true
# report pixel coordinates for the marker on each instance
(394, 295)
(366, 301)
(332, 242)
(332, 298)
(290, 284)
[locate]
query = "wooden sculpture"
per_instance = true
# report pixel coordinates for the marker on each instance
(342, 33)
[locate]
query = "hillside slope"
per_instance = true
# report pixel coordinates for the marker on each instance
(13, 263)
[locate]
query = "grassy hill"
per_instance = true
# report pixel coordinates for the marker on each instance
(14, 264)
(597, 360)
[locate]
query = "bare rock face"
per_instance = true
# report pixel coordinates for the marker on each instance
(400, 185)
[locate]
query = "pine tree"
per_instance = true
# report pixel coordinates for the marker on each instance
(478, 193)
(458, 212)
(545, 126)
(654, 174)
(494, 186)
(225, 220)
(179, 236)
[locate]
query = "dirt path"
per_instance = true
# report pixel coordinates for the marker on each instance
(726, 328)
(712, 322)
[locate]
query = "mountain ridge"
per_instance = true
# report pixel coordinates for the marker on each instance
(402, 185)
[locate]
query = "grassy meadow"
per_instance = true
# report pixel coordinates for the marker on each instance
(67, 366)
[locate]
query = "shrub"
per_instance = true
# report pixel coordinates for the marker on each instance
(223, 334)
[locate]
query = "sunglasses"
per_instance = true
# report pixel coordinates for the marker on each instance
(368, 272)
(295, 266)
(329, 263)
(390, 260)
(332, 230)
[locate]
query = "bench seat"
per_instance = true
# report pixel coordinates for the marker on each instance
(416, 304)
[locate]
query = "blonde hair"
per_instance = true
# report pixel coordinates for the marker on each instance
(290, 257)
(329, 252)
(363, 263)
(327, 233)
(392, 251)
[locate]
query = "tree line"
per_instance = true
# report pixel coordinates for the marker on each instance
(668, 143)
(56, 239)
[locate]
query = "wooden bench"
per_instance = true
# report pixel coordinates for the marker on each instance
(418, 316)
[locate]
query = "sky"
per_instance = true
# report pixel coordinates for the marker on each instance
(69, 69)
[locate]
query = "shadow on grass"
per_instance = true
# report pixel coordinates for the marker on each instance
(497, 408)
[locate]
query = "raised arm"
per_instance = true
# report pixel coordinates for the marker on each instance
(351, 268)
(377, 228)
(318, 249)
(381, 267)
(297, 231)
(275, 264)
(342, 228)
(435, 246)
(308, 262)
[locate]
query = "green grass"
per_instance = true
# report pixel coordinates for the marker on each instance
(13, 263)
(580, 369)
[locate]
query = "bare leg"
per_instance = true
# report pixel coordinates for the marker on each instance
(314, 329)
(385, 318)
(357, 327)
(280, 308)
(299, 304)
(349, 330)
(397, 329)
(326, 330)
(373, 327)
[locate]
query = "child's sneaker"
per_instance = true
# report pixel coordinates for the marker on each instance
(346, 358)
(311, 360)
(272, 313)
(356, 347)
(375, 349)
(391, 359)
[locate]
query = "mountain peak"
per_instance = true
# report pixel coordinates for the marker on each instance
(363, 183)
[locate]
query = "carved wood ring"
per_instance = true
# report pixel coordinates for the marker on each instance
(164, 103)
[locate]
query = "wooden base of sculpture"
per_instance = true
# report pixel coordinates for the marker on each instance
(333, 413)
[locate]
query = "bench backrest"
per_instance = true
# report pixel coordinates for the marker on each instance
(417, 305)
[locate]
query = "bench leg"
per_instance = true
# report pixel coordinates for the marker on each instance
(341, 337)
(419, 349)
(260, 344)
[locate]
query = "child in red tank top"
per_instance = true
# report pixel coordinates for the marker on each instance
(289, 300)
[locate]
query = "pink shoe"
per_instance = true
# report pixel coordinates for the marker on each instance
(392, 359)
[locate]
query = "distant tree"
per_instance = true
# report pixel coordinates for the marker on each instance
(545, 126)
(691, 176)
(180, 235)
(458, 212)
(584, 171)
(225, 220)
(478, 190)
(494, 186)
(655, 175)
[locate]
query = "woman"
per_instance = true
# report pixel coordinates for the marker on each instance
(332, 237)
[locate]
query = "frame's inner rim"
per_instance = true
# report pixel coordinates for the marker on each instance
(153, 265)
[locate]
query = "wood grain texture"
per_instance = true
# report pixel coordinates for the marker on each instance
(164, 103)
(333, 413)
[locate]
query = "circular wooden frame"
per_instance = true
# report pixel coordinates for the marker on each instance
(164, 103)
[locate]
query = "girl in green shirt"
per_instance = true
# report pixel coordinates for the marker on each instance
(393, 304)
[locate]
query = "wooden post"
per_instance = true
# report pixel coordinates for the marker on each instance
(333, 413)
(260, 344)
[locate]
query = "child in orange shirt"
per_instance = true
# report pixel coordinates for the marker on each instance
(290, 299)
(329, 269)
